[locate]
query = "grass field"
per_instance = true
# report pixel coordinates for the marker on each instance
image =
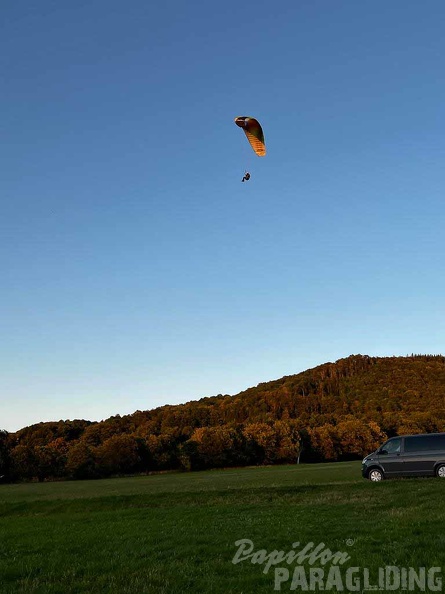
(176, 533)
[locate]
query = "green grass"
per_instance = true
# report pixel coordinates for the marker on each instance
(176, 533)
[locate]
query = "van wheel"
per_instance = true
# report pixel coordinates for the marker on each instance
(376, 475)
(440, 471)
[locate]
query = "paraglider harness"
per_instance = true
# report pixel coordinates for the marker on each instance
(246, 176)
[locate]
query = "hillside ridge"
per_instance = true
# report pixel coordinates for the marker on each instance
(334, 411)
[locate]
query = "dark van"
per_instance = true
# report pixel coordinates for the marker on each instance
(407, 455)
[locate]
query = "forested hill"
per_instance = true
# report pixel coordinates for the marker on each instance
(335, 411)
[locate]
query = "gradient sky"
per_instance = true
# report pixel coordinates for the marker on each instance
(137, 270)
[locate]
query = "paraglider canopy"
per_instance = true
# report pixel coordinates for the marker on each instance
(254, 133)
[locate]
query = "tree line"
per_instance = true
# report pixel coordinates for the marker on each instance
(337, 411)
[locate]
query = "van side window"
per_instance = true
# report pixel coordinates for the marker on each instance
(424, 443)
(392, 446)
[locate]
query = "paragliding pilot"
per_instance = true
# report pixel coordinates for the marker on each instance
(246, 176)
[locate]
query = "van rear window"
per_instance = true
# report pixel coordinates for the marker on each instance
(423, 443)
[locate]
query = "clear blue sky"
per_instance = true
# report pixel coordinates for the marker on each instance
(137, 270)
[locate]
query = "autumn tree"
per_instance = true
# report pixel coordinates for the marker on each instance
(261, 441)
(81, 463)
(324, 442)
(216, 446)
(23, 462)
(162, 451)
(5, 457)
(118, 455)
(288, 441)
(357, 438)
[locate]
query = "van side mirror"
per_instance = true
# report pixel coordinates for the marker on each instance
(380, 452)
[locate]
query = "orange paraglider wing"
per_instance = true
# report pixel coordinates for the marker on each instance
(254, 133)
